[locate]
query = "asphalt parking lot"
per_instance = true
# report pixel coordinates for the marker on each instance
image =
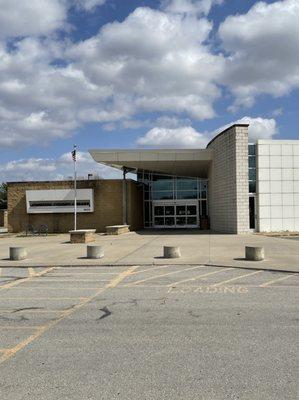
(160, 332)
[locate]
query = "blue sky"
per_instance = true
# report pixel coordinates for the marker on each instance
(127, 74)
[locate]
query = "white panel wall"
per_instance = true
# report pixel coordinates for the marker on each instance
(59, 195)
(278, 185)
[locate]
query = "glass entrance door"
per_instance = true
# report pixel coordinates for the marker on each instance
(175, 214)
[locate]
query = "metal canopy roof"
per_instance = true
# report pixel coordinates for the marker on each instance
(180, 162)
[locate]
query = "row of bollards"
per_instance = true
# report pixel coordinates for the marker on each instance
(97, 252)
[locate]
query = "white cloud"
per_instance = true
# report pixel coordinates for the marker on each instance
(185, 137)
(55, 169)
(89, 5)
(153, 61)
(31, 17)
(189, 6)
(150, 62)
(188, 137)
(259, 128)
(263, 49)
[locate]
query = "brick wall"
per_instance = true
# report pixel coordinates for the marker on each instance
(228, 181)
(108, 208)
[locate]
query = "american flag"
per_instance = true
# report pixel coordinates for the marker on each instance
(74, 154)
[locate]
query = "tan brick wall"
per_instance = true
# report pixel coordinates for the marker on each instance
(228, 181)
(108, 208)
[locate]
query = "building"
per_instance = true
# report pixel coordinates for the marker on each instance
(232, 186)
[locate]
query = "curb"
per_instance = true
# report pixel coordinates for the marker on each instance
(113, 265)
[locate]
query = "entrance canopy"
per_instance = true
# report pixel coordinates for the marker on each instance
(188, 162)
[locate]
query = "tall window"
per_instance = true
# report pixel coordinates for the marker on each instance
(252, 168)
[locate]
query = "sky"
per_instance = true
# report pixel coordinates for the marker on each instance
(140, 74)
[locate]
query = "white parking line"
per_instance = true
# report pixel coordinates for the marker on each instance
(236, 278)
(276, 280)
(199, 277)
(161, 275)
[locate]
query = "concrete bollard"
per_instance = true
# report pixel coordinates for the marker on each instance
(254, 253)
(17, 253)
(172, 252)
(94, 251)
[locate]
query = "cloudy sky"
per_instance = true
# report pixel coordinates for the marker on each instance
(140, 73)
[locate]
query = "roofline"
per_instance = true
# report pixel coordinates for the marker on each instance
(191, 149)
(66, 181)
(225, 130)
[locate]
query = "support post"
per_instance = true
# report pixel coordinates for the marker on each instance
(124, 196)
(74, 156)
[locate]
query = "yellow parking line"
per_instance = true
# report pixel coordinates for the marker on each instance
(199, 277)
(19, 327)
(72, 280)
(31, 272)
(66, 313)
(12, 311)
(276, 280)
(43, 298)
(84, 273)
(160, 276)
(22, 280)
(236, 278)
(58, 288)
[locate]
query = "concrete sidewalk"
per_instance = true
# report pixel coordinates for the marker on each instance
(146, 248)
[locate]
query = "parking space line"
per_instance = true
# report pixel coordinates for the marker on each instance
(43, 298)
(20, 327)
(72, 280)
(65, 314)
(236, 278)
(58, 288)
(27, 279)
(199, 277)
(150, 269)
(13, 311)
(160, 276)
(84, 273)
(31, 272)
(275, 280)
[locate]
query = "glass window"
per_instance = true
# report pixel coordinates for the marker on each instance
(251, 162)
(159, 210)
(252, 174)
(187, 194)
(169, 221)
(186, 184)
(191, 221)
(181, 220)
(159, 221)
(191, 210)
(251, 149)
(163, 195)
(252, 187)
(180, 210)
(163, 184)
(169, 210)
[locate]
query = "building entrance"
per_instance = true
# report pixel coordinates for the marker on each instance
(175, 214)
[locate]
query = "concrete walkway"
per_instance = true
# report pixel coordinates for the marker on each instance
(146, 248)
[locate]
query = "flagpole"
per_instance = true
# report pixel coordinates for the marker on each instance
(75, 186)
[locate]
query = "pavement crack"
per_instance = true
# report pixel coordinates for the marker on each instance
(26, 309)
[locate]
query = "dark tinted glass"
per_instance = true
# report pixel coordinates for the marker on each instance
(251, 162)
(251, 149)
